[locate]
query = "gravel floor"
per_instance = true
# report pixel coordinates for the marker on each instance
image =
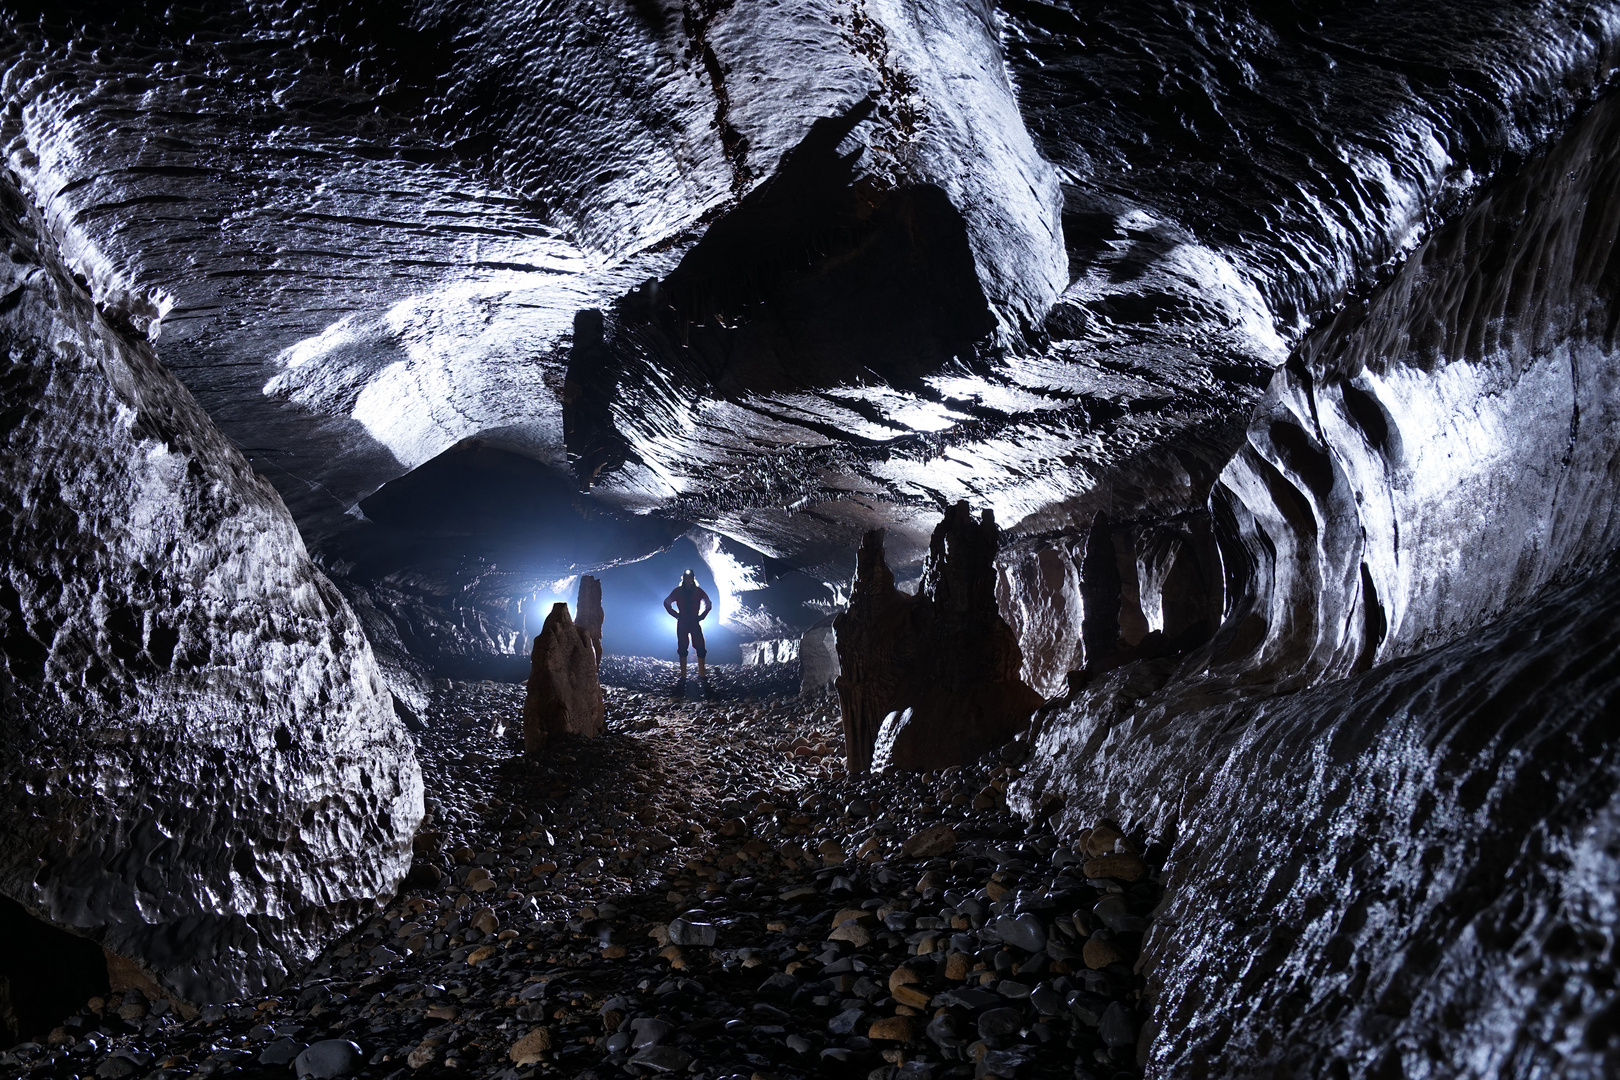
(700, 893)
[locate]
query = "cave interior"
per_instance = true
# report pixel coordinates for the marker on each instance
(1155, 466)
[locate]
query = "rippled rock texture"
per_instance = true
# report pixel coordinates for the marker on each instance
(1426, 847)
(1279, 339)
(1082, 234)
(201, 766)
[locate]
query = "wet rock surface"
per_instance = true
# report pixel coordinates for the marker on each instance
(699, 892)
(450, 187)
(1437, 834)
(200, 765)
(1411, 700)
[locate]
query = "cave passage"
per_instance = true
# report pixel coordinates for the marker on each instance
(46, 973)
(1154, 465)
(633, 600)
(702, 890)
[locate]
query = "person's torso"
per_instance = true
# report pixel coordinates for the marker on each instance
(688, 601)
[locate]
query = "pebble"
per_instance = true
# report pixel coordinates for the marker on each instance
(327, 1060)
(682, 932)
(531, 1047)
(663, 1059)
(280, 1052)
(930, 843)
(701, 892)
(1117, 1028)
(1025, 932)
(649, 1031)
(997, 1023)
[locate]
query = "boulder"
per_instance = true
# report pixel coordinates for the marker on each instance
(328, 1059)
(564, 696)
(941, 667)
(200, 765)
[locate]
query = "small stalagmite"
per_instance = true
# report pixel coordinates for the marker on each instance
(564, 696)
(588, 614)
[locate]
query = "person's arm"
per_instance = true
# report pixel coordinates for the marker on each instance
(707, 605)
(669, 604)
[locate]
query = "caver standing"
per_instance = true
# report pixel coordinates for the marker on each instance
(688, 604)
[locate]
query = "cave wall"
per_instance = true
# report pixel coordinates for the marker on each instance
(200, 767)
(1388, 778)
(1437, 453)
(1442, 452)
(1407, 873)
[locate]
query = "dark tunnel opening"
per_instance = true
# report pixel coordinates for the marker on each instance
(46, 974)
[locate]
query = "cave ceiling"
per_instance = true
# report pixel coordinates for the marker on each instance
(785, 271)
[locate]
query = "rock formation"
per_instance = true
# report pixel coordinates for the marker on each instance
(200, 766)
(1401, 737)
(818, 657)
(590, 615)
(942, 662)
(564, 696)
(1280, 339)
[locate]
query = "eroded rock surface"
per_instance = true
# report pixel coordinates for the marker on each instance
(931, 677)
(471, 202)
(201, 766)
(1422, 843)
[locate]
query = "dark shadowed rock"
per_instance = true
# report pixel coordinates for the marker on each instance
(564, 695)
(663, 1059)
(932, 679)
(590, 615)
(200, 765)
(818, 657)
(328, 1060)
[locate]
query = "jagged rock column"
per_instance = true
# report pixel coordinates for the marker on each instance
(930, 680)
(200, 767)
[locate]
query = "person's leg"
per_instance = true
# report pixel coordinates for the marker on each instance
(681, 636)
(702, 650)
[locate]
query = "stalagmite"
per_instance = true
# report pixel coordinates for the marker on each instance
(589, 617)
(564, 696)
(931, 678)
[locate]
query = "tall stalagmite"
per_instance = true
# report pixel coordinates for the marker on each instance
(591, 616)
(564, 696)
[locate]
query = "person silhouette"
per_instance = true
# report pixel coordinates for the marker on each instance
(688, 605)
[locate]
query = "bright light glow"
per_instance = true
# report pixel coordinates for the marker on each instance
(731, 576)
